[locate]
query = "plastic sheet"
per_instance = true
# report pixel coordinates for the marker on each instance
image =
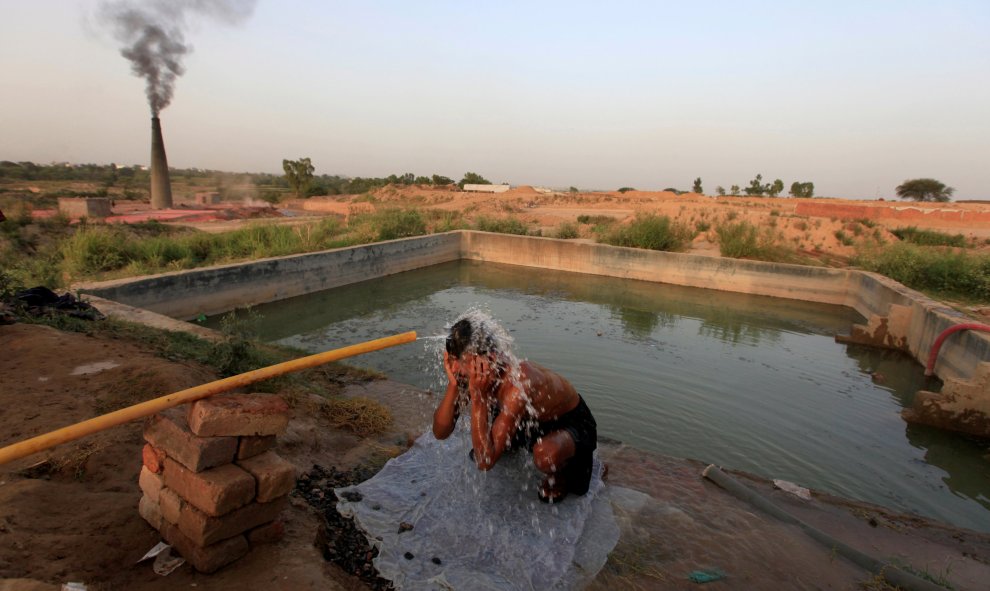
(478, 530)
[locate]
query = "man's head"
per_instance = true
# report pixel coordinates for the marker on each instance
(468, 338)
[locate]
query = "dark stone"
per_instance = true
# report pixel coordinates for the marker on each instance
(408, 556)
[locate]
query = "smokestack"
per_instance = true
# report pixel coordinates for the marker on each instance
(161, 186)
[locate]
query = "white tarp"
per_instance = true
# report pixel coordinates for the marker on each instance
(476, 530)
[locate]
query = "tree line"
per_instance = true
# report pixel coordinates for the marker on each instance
(301, 178)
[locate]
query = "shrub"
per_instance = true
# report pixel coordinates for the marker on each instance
(940, 270)
(444, 221)
(95, 250)
(626, 189)
(843, 238)
(399, 223)
(567, 231)
(651, 231)
(738, 240)
(744, 240)
(596, 219)
(702, 226)
(929, 237)
(507, 225)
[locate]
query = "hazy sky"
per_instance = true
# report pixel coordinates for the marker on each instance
(853, 96)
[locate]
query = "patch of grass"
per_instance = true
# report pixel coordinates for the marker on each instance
(596, 219)
(843, 238)
(439, 220)
(937, 271)
(397, 223)
(744, 240)
(506, 225)
(651, 231)
(929, 237)
(567, 231)
(702, 226)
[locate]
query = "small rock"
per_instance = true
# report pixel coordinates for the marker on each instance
(353, 496)
(405, 526)
(408, 555)
(435, 560)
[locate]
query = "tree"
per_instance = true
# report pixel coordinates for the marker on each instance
(756, 186)
(441, 181)
(473, 178)
(423, 180)
(573, 189)
(924, 190)
(734, 190)
(802, 189)
(697, 186)
(775, 189)
(720, 190)
(298, 173)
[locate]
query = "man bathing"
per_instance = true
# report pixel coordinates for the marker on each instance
(515, 404)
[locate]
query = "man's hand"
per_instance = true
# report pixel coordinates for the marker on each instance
(450, 367)
(481, 377)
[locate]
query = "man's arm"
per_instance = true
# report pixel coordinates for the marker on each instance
(490, 441)
(445, 417)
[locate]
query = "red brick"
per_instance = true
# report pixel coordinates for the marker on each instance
(171, 505)
(153, 458)
(215, 491)
(149, 510)
(206, 559)
(151, 484)
(169, 432)
(250, 445)
(268, 533)
(239, 414)
(205, 530)
(275, 476)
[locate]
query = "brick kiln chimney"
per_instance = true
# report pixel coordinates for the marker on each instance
(161, 186)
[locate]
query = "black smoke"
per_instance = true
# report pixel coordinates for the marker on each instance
(153, 34)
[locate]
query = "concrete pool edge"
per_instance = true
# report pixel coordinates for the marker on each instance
(897, 317)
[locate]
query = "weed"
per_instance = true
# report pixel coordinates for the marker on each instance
(774, 212)
(929, 237)
(596, 219)
(651, 231)
(744, 240)
(935, 270)
(702, 226)
(507, 225)
(843, 238)
(567, 230)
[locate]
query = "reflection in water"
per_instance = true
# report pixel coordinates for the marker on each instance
(748, 382)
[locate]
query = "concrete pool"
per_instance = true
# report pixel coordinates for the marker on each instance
(749, 382)
(881, 302)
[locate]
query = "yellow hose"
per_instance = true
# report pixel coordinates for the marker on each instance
(150, 407)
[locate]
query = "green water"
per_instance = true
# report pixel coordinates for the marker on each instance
(747, 382)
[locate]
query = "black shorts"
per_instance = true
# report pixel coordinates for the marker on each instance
(581, 425)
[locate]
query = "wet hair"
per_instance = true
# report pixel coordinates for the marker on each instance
(465, 337)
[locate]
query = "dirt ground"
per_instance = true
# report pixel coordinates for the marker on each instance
(814, 236)
(71, 514)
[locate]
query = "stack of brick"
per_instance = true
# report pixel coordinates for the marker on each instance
(212, 485)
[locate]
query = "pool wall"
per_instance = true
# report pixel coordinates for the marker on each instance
(896, 316)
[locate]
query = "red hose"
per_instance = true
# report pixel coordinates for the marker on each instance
(933, 355)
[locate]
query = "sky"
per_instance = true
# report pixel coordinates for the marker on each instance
(855, 97)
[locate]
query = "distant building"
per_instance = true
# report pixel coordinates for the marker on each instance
(486, 188)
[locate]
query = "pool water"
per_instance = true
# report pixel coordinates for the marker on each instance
(747, 382)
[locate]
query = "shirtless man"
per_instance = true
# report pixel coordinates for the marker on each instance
(539, 410)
